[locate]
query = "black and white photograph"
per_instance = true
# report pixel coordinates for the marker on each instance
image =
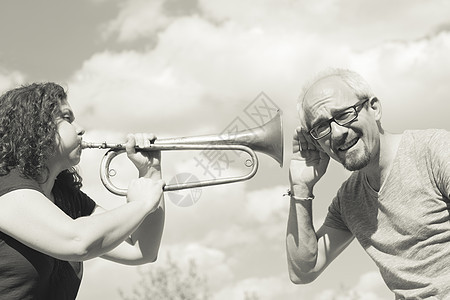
(217, 150)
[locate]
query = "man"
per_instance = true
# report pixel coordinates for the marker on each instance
(395, 202)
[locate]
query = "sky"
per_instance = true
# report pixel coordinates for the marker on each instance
(187, 68)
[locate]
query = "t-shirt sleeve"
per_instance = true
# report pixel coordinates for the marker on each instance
(334, 217)
(439, 146)
(85, 204)
(14, 181)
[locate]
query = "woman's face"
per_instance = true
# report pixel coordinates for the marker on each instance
(68, 139)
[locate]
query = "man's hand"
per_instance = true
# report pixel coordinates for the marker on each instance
(308, 164)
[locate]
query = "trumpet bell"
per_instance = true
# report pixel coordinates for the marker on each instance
(267, 139)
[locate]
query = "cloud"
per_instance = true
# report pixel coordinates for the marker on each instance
(103, 279)
(370, 286)
(196, 69)
(230, 217)
(196, 72)
(137, 19)
(267, 205)
(271, 287)
(10, 79)
(211, 262)
(408, 76)
(202, 72)
(353, 23)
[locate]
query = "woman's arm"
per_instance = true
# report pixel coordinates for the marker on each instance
(31, 218)
(143, 244)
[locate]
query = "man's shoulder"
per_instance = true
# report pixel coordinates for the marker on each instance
(426, 139)
(427, 134)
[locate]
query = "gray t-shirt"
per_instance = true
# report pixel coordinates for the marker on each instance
(405, 227)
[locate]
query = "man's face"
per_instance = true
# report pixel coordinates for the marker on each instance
(353, 145)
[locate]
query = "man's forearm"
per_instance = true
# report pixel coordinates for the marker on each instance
(301, 241)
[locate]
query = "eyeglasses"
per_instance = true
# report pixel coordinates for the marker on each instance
(343, 118)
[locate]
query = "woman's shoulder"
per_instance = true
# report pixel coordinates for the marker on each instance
(14, 180)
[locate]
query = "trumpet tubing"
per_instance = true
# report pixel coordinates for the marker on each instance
(267, 139)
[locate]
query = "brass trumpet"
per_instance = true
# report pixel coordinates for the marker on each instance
(267, 139)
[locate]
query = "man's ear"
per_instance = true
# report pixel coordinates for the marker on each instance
(375, 105)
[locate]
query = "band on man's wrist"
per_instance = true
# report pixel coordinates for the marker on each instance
(290, 194)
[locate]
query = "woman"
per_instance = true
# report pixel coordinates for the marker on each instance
(48, 226)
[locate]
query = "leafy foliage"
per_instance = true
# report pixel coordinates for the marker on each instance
(169, 282)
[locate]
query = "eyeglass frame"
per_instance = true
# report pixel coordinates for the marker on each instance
(360, 103)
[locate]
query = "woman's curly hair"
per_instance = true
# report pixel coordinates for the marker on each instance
(28, 130)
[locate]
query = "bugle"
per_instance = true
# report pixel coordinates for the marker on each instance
(267, 139)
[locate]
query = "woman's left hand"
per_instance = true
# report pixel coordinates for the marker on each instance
(148, 163)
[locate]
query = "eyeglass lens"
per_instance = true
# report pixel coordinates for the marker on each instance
(342, 119)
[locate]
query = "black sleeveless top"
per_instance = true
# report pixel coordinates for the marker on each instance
(29, 274)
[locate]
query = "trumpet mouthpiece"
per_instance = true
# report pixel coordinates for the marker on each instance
(102, 145)
(85, 145)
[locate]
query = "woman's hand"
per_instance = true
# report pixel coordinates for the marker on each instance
(146, 189)
(148, 163)
(308, 164)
